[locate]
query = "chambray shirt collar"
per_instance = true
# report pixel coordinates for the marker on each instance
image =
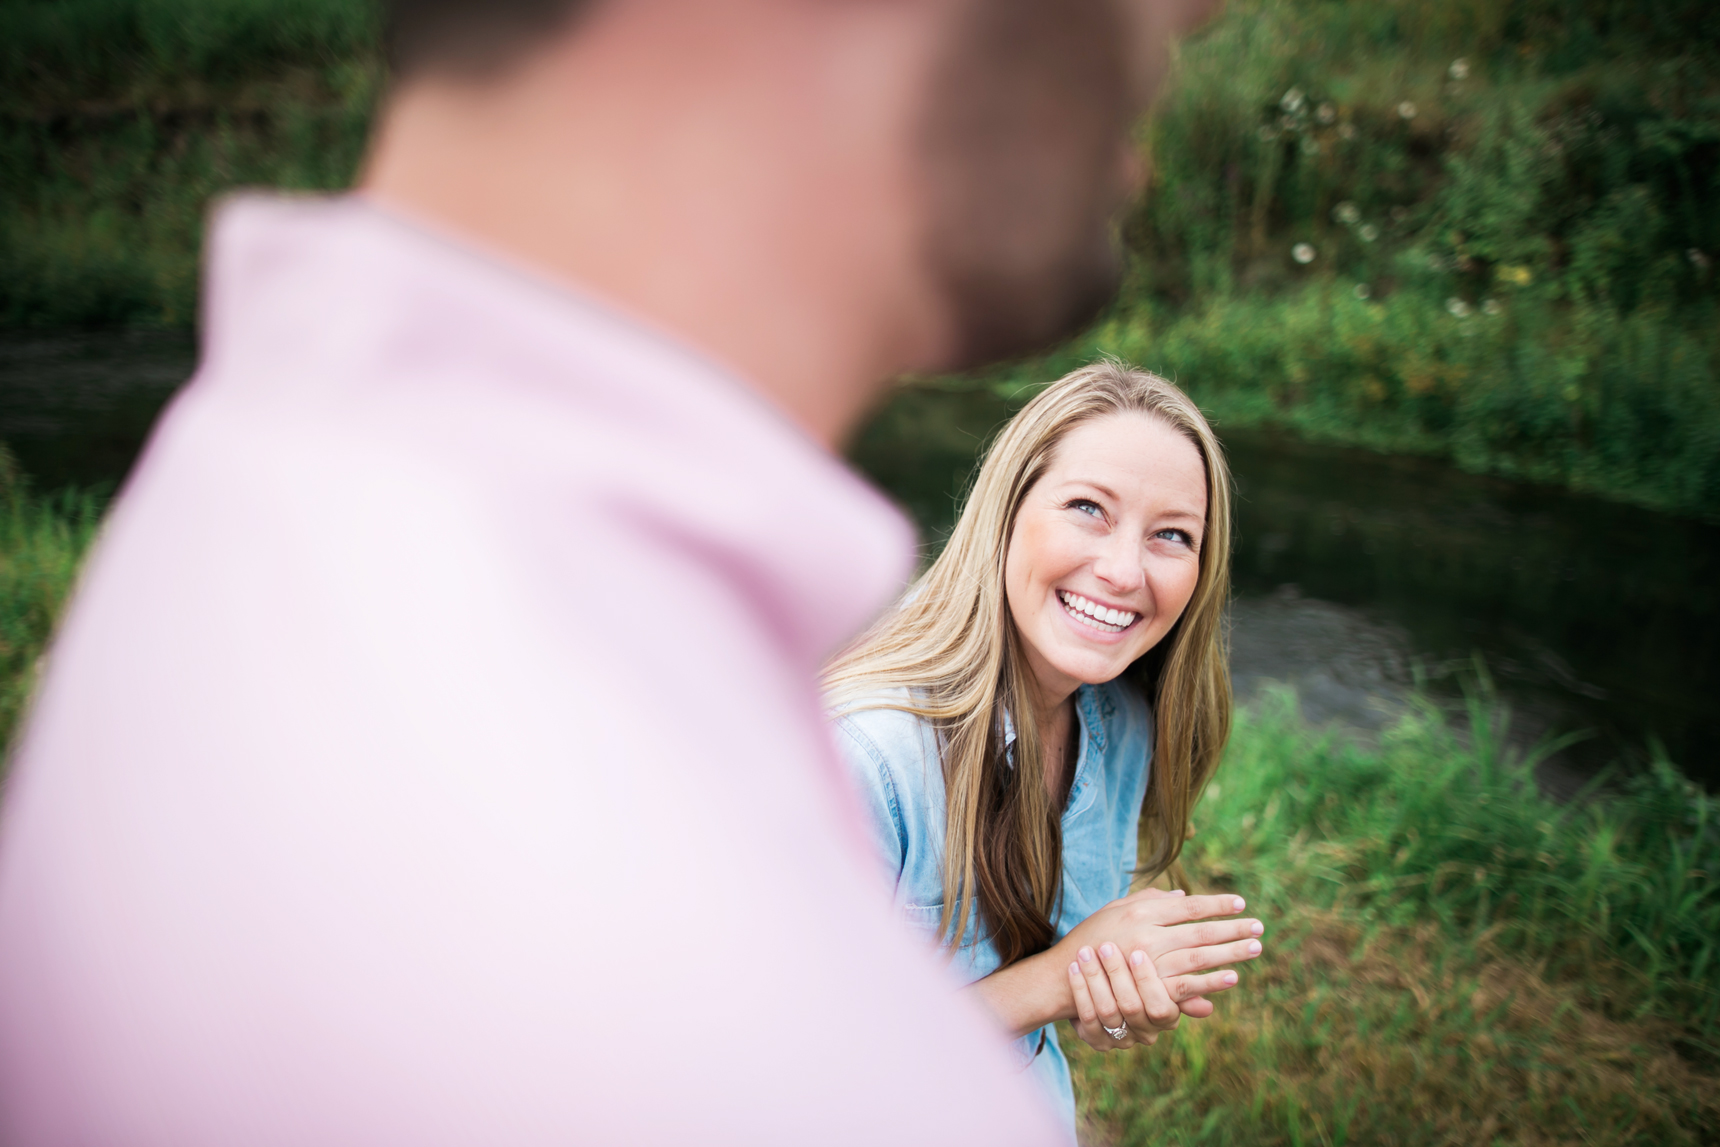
(1092, 745)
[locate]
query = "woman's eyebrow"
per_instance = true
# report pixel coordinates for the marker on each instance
(1092, 485)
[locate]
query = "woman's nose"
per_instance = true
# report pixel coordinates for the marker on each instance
(1119, 564)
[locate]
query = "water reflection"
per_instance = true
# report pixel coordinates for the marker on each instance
(75, 407)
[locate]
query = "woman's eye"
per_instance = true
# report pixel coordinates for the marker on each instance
(1182, 536)
(1087, 507)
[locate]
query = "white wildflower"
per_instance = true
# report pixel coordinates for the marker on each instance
(1369, 232)
(1363, 291)
(1457, 307)
(1347, 213)
(1293, 101)
(1459, 69)
(1326, 113)
(1303, 253)
(1491, 307)
(1346, 131)
(1406, 110)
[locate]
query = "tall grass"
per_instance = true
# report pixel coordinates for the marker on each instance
(1451, 958)
(42, 542)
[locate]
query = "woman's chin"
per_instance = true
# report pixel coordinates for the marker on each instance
(1082, 668)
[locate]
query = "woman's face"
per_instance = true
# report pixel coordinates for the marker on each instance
(1106, 549)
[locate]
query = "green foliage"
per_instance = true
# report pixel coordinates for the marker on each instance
(122, 119)
(1450, 956)
(42, 541)
(1523, 189)
(1478, 230)
(57, 56)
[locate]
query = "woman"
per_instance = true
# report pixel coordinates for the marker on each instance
(1000, 721)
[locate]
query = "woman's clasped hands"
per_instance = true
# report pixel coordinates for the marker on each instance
(1170, 940)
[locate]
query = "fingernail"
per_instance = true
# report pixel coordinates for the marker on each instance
(1085, 955)
(1254, 947)
(1138, 959)
(1240, 904)
(1107, 950)
(1230, 978)
(1177, 892)
(1257, 928)
(1074, 970)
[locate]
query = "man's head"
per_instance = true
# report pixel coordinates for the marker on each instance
(973, 154)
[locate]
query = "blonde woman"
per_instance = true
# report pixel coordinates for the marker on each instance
(1055, 679)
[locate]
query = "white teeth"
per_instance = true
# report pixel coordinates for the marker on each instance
(1100, 615)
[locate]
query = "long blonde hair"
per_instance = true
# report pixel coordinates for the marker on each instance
(952, 643)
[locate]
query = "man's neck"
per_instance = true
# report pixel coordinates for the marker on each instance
(705, 195)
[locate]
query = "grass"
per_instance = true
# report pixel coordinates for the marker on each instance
(42, 543)
(1451, 958)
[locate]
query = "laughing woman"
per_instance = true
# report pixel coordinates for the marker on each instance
(1057, 675)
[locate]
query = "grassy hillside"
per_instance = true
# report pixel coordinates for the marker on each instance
(1479, 229)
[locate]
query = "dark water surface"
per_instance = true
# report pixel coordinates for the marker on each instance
(1354, 571)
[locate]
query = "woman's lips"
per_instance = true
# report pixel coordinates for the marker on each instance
(1090, 613)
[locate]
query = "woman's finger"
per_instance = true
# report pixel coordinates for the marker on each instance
(1162, 1012)
(1197, 1007)
(1185, 961)
(1203, 934)
(1099, 986)
(1121, 981)
(1085, 1013)
(1186, 989)
(1182, 909)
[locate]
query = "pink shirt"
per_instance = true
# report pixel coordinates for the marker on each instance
(432, 756)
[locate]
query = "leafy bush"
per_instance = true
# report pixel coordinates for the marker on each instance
(1459, 229)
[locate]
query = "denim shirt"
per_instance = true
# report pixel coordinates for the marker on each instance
(893, 757)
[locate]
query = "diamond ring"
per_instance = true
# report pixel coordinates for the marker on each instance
(1117, 1032)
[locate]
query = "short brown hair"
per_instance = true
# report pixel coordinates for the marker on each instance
(474, 38)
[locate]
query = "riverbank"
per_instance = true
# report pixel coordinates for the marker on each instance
(1477, 232)
(1451, 957)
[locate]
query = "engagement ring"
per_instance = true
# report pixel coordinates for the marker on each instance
(1117, 1032)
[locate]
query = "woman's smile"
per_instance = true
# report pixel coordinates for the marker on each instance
(1095, 616)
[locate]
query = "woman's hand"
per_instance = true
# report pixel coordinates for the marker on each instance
(1179, 937)
(1175, 932)
(1127, 998)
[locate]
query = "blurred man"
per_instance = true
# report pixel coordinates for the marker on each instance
(431, 754)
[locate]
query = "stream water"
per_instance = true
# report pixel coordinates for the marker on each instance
(1355, 573)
